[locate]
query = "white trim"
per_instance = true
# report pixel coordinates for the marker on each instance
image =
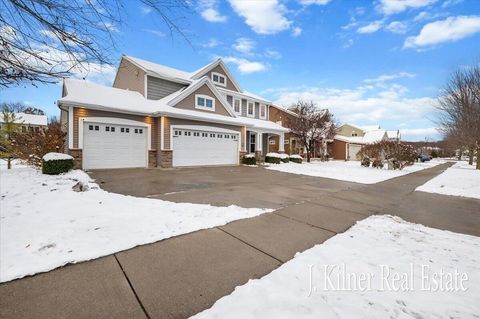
(205, 98)
(70, 127)
(162, 133)
(281, 143)
(264, 117)
(253, 109)
(145, 83)
(211, 129)
(211, 66)
(113, 120)
(243, 95)
(239, 105)
(155, 74)
(219, 75)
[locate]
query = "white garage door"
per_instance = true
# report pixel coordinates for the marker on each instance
(114, 146)
(353, 149)
(199, 148)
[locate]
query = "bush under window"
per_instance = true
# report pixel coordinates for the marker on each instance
(249, 159)
(296, 158)
(56, 163)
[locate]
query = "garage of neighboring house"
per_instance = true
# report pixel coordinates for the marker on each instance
(353, 150)
(113, 145)
(204, 146)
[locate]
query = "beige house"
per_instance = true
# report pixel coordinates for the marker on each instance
(155, 115)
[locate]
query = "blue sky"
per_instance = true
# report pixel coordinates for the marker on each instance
(381, 62)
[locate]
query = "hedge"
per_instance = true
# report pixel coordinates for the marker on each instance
(55, 167)
(296, 159)
(272, 159)
(249, 159)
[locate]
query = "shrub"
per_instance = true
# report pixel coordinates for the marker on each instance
(56, 163)
(365, 162)
(390, 151)
(249, 159)
(378, 163)
(284, 158)
(273, 158)
(296, 158)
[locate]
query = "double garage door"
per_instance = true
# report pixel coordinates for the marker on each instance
(204, 147)
(114, 146)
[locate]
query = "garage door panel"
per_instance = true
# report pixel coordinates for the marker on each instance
(114, 146)
(193, 148)
(353, 150)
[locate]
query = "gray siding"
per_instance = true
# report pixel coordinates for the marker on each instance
(244, 107)
(256, 110)
(159, 88)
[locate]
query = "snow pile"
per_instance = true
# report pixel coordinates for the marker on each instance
(459, 180)
(45, 224)
(249, 155)
(52, 156)
(283, 155)
(307, 286)
(296, 156)
(276, 155)
(350, 171)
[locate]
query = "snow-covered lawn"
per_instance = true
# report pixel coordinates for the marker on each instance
(350, 171)
(301, 288)
(44, 224)
(460, 180)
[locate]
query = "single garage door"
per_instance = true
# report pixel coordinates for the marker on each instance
(202, 148)
(353, 149)
(114, 146)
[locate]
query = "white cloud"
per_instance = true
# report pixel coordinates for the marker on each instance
(209, 11)
(361, 104)
(449, 3)
(419, 131)
(264, 17)
(448, 30)
(211, 43)
(371, 27)
(109, 26)
(245, 66)
(397, 27)
(348, 43)
(389, 77)
(389, 7)
(296, 31)
(244, 45)
(273, 54)
(145, 10)
(317, 2)
(158, 33)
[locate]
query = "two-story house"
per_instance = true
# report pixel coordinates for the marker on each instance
(155, 115)
(283, 117)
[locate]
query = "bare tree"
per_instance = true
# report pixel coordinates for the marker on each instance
(460, 110)
(44, 40)
(311, 125)
(9, 124)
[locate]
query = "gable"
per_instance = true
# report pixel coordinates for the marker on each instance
(129, 77)
(189, 102)
(218, 69)
(347, 130)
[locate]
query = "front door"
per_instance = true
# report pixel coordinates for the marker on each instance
(253, 137)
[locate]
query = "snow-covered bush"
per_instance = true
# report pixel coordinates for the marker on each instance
(378, 163)
(296, 158)
(365, 162)
(56, 163)
(273, 158)
(391, 151)
(284, 158)
(249, 159)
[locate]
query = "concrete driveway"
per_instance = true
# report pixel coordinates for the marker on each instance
(183, 275)
(219, 186)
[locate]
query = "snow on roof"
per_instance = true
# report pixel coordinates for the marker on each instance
(370, 127)
(393, 134)
(29, 119)
(161, 70)
(349, 139)
(374, 136)
(81, 92)
(281, 108)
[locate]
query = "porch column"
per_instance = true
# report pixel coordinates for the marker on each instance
(259, 142)
(281, 142)
(243, 139)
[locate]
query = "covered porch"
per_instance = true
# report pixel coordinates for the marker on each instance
(257, 142)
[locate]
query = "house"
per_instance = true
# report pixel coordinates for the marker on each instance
(394, 136)
(350, 138)
(155, 115)
(31, 122)
(283, 117)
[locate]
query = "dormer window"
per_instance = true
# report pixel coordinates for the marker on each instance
(354, 134)
(263, 111)
(219, 79)
(204, 102)
(250, 109)
(236, 106)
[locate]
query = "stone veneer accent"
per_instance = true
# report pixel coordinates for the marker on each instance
(166, 159)
(152, 158)
(77, 157)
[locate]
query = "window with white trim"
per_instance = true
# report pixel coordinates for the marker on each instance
(237, 106)
(263, 111)
(250, 109)
(219, 79)
(204, 102)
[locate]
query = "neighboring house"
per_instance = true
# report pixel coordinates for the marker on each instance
(394, 135)
(155, 115)
(283, 117)
(31, 122)
(350, 138)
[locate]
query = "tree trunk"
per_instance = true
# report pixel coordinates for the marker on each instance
(9, 163)
(470, 156)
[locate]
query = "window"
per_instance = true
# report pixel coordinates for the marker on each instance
(234, 137)
(90, 127)
(250, 109)
(219, 79)
(107, 128)
(219, 135)
(140, 131)
(227, 136)
(263, 111)
(204, 102)
(188, 133)
(136, 131)
(112, 129)
(122, 130)
(354, 134)
(127, 130)
(97, 128)
(272, 142)
(286, 142)
(204, 135)
(237, 106)
(212, 135)
(196, 134)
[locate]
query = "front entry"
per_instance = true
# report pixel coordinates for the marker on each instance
(253, 139)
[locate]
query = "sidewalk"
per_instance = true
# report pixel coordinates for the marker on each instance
(180, 276)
